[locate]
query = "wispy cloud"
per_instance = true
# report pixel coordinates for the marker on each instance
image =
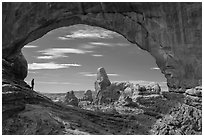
(87, 46)
(57, 83)
(64, 38)
(50, 65)
(89, 32)
(93, 45)
(109, 44)
(46, 57)
(53, 53)
(101, 43)
(90, 74)
(122, 44)
(155, 68)
(32, 72)
(30, 46)
(97, 55)
(112, 74)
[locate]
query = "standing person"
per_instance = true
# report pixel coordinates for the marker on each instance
(32, 84)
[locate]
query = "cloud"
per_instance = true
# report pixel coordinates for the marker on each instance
(53, 53)
(86, 46)
(93, 45)
(50, 65)
(64, 38)
(112, 74)
(85, 31)
(89, 74)
(30, 46)
(32, 72)
(155, 68)
(46, 57)
(101, 43)
(109, 44)
(57, 83)
(97, 55)
(122, 44)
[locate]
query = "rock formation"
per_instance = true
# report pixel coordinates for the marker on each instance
(194, 97)
(170, 32)
(102, 81)
(71, 99)
(110, 94)
(88, 96)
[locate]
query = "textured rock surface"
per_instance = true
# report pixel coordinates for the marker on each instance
(182, 120)
(71, 99)
(87, 96)
(170, 32)
(197, 91)
(27, 112)
(101, 83)
(102, 80)
(110, 94)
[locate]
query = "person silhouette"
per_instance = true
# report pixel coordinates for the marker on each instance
(32, 84)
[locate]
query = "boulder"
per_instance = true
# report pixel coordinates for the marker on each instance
(110, 94)
(88, 96)
(71, 99)
(197, 91)
(142, 89)
(148, 90)
(156, 88)
(128, 91)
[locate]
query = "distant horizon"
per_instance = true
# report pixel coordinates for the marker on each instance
(67, 59)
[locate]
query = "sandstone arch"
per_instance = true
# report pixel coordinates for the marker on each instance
(170, 32)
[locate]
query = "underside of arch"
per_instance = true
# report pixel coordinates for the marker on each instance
(170, 32)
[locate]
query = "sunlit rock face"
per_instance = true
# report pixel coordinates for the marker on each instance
(170, 32)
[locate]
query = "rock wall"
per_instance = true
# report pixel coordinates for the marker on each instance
(170, 32)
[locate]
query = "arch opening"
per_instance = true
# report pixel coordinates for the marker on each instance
(67, 59)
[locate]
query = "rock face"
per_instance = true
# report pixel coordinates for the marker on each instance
(156, 88)
(175, 123)
(88, 96)
(197, 91)
(110, 94)
(102, 82)
(170, 32)
(71, 99)
(194, 97)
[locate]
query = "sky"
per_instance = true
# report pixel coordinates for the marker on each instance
(67, 59)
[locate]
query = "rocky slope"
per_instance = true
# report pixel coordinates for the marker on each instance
(170, 32)
(25, 111)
